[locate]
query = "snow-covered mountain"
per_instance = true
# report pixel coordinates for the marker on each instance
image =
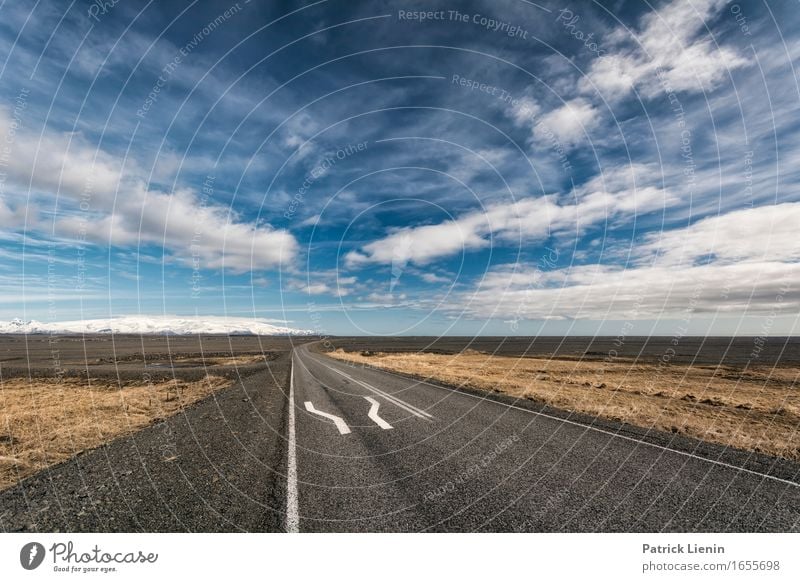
(154, 324)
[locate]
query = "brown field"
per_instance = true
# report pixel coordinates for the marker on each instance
(756, 409)
(60, 395)
(47, 420)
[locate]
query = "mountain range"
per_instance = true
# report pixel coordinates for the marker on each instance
(153, 325)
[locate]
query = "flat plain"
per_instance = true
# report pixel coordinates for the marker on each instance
(62, 395)
(192, 434)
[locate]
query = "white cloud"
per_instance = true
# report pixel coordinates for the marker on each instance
(674, 44)
(317, 289)
(386, 299)
(627, 191)
(298, 129)
(466, 164)
(766, 233)
(325, 282)
(750, 266)
(599, 292)
(11, 218)
(523, 111)
(312, 220)
(59, 162)
(422, 244)
(434, 278)
(614, 76)
(569, 123)
(105, 204)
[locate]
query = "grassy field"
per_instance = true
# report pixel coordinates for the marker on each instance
(756, 409)
(60, 395)
(44, 421)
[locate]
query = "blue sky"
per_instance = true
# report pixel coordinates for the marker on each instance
(353, 167)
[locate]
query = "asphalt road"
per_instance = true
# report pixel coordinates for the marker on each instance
(459, 461)
(389, 453)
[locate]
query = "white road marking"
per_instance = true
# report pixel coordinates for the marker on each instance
(391, 398)
(339, 422)
(592, 428)
(292, 499)
(373, 413)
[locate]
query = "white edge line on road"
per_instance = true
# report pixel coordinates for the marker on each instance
(595, 429)
(292, 500)
(373, 413)
(341, 425)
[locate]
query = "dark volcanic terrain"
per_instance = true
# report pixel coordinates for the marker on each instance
(129, 357)
(726, 351)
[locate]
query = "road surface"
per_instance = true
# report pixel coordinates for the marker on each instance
(366, 450)
(380, 452)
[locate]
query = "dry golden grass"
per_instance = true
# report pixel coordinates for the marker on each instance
(198, 360)
(234, 361)
(755, 409)
(45, 421)
(203, 360)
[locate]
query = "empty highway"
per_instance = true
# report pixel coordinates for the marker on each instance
(361, 450)
(373, 451)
